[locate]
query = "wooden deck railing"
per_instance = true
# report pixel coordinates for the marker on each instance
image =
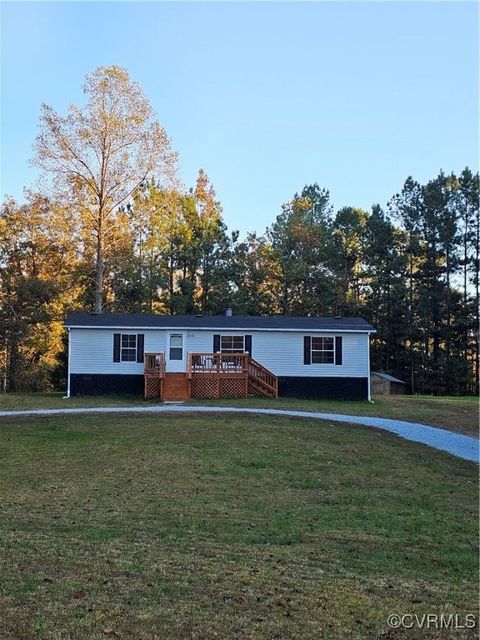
(154, 364)
(217, 363)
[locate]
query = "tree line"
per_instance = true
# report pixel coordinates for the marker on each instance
(112, 229)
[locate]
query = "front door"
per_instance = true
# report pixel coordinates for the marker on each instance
(176, 352)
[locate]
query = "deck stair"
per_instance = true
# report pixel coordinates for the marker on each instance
(176, 386)
(261, 381)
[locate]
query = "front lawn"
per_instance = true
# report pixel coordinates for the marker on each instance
(54, 400)
(457, 414)
(252, 527)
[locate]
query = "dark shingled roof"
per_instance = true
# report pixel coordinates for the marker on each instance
(145, 320)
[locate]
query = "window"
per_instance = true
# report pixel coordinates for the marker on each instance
(232, 344)
(176, 346)
(129, 347)
(323, 350)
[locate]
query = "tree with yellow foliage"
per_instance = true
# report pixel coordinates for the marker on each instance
(99, 154)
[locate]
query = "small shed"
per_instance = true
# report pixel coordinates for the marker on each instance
(383, 384)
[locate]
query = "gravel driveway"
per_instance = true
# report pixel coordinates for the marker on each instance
(457, 444)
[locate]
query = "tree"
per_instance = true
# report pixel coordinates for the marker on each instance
(437, 218)
(349, 234)
(301, 240)
(37, 260)
(467, 202)
(181, 252)
(407, 208)
(255, 277)
(385, 297)
(99, 154)
(160, 230)
(212, 246)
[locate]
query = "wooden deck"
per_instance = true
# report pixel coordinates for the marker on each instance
(209, 375)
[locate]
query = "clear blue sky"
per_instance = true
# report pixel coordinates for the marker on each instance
(265, 96)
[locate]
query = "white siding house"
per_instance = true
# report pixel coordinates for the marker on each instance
(279, 351)
(306, 354)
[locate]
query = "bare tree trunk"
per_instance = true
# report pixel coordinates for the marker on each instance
(150, 290)
(465, 261)
(171, 269)
(285, 301)
(206, 285)
(388, 355)
(449, 311)
(99, 273)
(477, 307)
(467, 369)
(5, 366)
(141, 277)
(410, 299)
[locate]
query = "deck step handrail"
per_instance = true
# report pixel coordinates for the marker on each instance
(261, 375)
(154, 364)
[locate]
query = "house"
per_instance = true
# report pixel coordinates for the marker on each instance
(383, 384)
(181, 357)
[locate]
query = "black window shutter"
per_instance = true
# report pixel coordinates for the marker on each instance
(307, 350)
(338, 349)
(140, 342)
(248, 345)
(216, 343)
(116, 347)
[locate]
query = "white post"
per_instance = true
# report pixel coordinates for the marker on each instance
(369, 383)
(68, 367)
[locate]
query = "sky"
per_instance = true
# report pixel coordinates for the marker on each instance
(265, 96)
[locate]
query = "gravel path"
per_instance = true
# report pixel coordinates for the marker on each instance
(457, 444)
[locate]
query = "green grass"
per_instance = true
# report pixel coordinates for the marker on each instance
(228, 527)
(457, 413)
(20, 401)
